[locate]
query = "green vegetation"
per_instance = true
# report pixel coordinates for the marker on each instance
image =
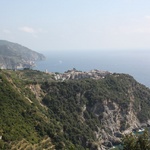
(20, 116)
(136, 142)
(64, 113)
(29, 76)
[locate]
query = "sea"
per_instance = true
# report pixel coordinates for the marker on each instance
(133, 62)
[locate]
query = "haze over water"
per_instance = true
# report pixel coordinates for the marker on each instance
(75, 26)
(135, 63)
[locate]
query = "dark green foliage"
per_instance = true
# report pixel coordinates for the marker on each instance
(136, 142)
(1, 144)
(66, 101)
(69, 119)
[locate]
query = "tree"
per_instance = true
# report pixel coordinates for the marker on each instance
(129, 142)
(144, 141)
(136, 142)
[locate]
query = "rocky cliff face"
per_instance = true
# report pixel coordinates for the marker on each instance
(115, 122)
(15, 56)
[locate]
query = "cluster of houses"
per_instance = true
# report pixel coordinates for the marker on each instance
(75, 74)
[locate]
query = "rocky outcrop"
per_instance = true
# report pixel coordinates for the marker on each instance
(115, 122)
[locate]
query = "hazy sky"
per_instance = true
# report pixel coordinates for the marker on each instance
(44, 25)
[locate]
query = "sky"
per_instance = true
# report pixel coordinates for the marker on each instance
(66, 25)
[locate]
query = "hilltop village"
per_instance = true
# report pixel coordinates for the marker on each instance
(76, 74)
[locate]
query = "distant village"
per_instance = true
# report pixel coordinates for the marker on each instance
(75, 74)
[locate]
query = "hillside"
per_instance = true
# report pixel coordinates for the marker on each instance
(72, 114)
(13, 56)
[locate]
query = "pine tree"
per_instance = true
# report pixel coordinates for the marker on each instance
(129, 142)
(144, 141)
(136, 142)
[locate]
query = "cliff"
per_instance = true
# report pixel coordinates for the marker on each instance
(69, 114)
(15, 56)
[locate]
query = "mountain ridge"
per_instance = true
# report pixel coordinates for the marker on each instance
(16, 56)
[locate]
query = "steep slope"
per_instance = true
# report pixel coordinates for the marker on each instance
(98, 112)
(73, 114)
(13, 55)
(21, 116)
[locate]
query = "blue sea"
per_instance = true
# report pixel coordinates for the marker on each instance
(135, 62)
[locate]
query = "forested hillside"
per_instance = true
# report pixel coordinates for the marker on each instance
(38, 112)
